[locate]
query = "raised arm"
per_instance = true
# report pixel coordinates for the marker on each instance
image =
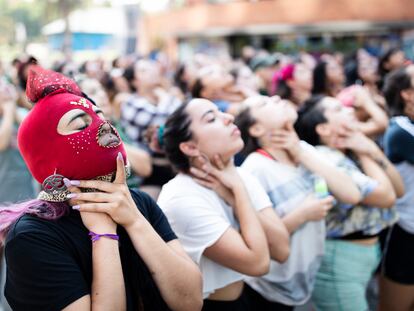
(175, 274)
(339, 183)
(378, 119)
(8, 107)
(245, 251)
(275, 231)
(139, 159)
(108, 286)
(378, 168)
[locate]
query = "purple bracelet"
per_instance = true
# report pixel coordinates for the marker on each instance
(95, 236)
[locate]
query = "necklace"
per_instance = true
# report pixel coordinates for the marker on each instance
(266, 154)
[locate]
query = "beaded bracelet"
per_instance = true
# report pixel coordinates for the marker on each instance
(95, 236)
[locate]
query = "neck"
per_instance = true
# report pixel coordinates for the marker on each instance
(329, 142)
(335, 89)
(372, 86)
(148, 93)
(300, 96)
(279, 155)
(227, 159)
(229, 96)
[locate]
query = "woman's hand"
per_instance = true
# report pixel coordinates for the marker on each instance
(115, 199)
(288, 140)
(358, 143)
(316, 209)
(204, 178)
(226, 174)
(95, 222)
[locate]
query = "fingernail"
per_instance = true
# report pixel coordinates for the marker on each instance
(76, 207)
(75, 182)
(71, 195)
(67, 182)
(120, 156)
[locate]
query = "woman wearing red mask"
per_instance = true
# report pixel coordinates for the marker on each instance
(104, 253)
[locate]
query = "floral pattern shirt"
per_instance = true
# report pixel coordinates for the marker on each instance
(344, 219)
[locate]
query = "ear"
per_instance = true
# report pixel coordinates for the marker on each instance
(323, 129)
(406, 95)
(206, 93)
(256, 130)
(135, 82)
(290, 83)
(387, 65)
(189, 149)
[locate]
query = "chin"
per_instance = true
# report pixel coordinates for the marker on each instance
(231, 149)
(238, 146)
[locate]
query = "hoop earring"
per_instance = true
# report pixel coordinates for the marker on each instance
(54, 189)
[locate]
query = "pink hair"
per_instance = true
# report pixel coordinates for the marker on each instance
(9, 214)
(284, 74)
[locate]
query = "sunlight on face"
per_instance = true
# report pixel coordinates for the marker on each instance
(214, 131)
(272, 113)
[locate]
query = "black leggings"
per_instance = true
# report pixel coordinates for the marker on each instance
(256, 301)
(218, 305)
(249, 300)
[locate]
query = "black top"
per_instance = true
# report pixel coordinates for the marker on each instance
(49, 263)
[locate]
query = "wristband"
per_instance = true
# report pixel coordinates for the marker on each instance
(95, 236)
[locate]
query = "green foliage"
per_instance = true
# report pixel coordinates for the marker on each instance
(34, 14)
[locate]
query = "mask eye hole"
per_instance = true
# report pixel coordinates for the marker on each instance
(73, 121)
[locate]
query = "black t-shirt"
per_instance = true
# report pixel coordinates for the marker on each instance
(49, 263)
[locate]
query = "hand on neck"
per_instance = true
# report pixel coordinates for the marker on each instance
(330, 143)
(278, 154)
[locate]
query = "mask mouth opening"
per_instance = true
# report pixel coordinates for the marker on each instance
(108, 136)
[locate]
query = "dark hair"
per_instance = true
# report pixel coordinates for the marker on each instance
(283, 89)
(197, 88)
(352, 70)
(176, 131)
(21, 71)
(179, 79)
(115, 62)
(320, 80)
(244, 121)
(384, 58)
(395, 82)
(309, 116)
(129, 75)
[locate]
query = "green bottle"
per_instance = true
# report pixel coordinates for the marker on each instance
(321, 188)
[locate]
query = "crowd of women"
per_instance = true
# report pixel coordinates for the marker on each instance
(265, 182)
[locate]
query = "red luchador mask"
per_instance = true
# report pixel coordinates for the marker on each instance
(80, 155)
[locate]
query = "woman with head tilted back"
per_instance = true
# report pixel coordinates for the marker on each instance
(352, 248)
(63, 258)
(328, 77)
(397, 274)
(297, 180)
(294, 82)
(216, 209)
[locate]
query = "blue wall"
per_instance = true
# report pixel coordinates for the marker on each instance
(82, 41)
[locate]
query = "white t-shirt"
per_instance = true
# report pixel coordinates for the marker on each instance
(290, 283)
(199, 217)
